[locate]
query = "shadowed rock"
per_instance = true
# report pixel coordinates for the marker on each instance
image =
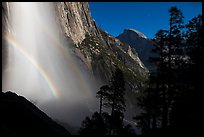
(21, 117)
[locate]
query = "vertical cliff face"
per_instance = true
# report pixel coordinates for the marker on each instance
(102, 52)
(99, 51)
(75, 18)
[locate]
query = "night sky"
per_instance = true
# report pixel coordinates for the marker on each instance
(147, 17)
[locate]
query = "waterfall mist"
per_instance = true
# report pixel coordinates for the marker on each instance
(42, 67)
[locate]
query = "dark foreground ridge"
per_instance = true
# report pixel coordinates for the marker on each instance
(21, 117)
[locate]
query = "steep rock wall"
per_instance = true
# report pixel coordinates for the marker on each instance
(76, 20)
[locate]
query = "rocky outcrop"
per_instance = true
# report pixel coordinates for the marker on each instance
(21, 117)
(99, 51)
(141, 44)
(122, 50)
(75, 18)
(103, 60)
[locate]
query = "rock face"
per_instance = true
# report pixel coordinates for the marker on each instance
(75, 18)
(122, 50)
(141, 44)
(21, 117)
(101, 52)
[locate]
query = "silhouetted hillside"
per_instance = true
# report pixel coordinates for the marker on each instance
(21, 117)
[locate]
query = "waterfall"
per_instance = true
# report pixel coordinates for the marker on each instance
(41, 66)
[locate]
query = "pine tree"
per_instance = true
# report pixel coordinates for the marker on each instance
(112, 97)
(117, 92)
(115, 100)
(174, 60)
(151, 102)
(93, 126)
(164, 85)
(102, 94)
(187, 106)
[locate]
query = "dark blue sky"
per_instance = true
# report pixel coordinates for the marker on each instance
(147, 17)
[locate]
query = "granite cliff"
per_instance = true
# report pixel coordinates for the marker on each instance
(76, 20)
(101, 52)
(92, 43)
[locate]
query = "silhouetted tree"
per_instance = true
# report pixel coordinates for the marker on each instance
(151, 102)
(102, 94)
(172, 101)
(116, 100)
(93, 126)
(186, 109)
(112, 97)
(174, 58)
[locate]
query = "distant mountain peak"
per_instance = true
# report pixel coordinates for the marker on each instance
(141, 44)
(140, 34)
